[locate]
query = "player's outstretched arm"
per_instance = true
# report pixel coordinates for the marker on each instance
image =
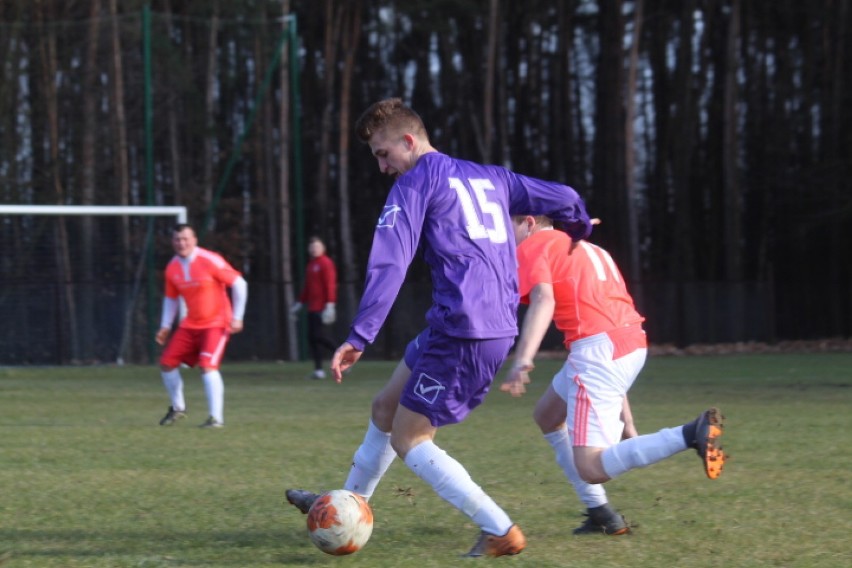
(343, 359)
(537, 320)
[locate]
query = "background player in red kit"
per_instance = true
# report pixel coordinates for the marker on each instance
(319, 294)
(578, 286)
(200, 277)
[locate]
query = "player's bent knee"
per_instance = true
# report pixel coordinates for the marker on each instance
(594, 479)
(383, 411)
(400, 446)
(550, 411)
(590, 470)
(546, 422)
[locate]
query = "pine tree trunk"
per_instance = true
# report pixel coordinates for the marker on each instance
(284, 207)
(48, 55)
(333, 19)
(88, 182)
(172, 117)
(486, 144)
(210, 158)
(351, 37)
(633, 239)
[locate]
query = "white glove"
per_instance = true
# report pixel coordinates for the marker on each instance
(328, 314)
(294, 311)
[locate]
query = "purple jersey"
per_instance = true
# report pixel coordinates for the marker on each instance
(461, 212)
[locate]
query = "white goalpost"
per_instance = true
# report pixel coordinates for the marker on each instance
(72, 276)
(177, 211)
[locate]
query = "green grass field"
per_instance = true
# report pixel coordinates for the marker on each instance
(88, 478)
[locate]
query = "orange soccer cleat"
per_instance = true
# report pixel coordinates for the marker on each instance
(488, 544)
(707, 433)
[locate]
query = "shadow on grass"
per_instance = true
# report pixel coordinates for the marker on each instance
(159, 549)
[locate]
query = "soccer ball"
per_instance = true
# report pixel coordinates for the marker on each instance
(340, 522)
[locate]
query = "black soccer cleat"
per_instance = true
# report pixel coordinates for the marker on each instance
(603, 520)
(172, 416)
(211, 423)
(301, 499)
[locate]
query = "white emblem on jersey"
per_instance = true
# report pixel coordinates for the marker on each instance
(388, 216)
(428, 388)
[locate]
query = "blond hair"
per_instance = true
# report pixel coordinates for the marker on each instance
(390, 115)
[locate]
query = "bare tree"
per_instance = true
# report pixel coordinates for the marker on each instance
(49, 66)
(608, 198)
(683, 144)
(731, 152)
(285, 213)
(351, 38)
(88, 175)
(486, 145)
(633, 239)
(333, 17)
(732, 214)
(210, 155)
(172, 118)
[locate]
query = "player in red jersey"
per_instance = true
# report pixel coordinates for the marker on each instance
(319, 295)
(578, 286)
(200, 277)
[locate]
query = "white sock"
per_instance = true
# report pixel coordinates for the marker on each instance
(592, 495)
(174, 386)
(371, 461)
(642, 451)
(452, 482)
(214, 387)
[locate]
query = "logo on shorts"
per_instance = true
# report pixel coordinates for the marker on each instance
(428, 388)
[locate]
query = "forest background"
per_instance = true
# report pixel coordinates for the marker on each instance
(713, 138)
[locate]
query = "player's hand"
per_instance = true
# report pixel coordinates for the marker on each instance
(517, 379)
(294, 311)
(329, 314)
(162, 335)
(236, 326)
(343, 359)
(574, 242)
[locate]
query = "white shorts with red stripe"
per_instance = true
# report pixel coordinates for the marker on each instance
(599, 371)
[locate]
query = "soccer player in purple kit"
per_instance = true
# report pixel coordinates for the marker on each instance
(459, 212)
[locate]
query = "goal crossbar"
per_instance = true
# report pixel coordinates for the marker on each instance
(102, 327)
(179, 211)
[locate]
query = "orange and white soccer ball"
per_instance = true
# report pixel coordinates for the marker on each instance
(340, 522)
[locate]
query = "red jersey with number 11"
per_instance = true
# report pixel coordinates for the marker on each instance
(590, 293)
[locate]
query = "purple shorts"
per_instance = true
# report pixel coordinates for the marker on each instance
(450, 376)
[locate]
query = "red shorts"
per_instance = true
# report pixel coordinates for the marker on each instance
(202, 347)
